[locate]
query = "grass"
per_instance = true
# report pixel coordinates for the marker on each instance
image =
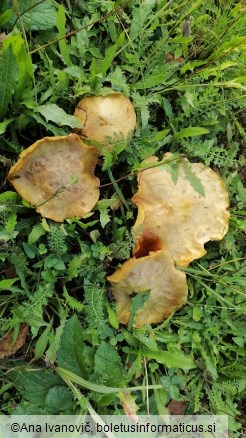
(183, 66)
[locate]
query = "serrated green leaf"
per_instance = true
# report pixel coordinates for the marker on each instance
(191, 131)
(193, 179)
(52, 112)
(104, 216)
(74, 264)
(39, 16)
(42, 343)
(11, 223)
(140, 15)
(171, 359)
(49, 127)
(8, 77)
(108, 365)
(34, 384)
(167, 108)
(71, 354)
(118, 81)
(58, 399)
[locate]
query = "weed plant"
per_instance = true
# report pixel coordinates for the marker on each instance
(182, 63)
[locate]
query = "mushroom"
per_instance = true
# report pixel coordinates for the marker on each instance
(173, 216)
(56, 175)
(106, 119)
(155, 273)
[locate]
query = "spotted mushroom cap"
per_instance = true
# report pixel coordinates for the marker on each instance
(56, 176)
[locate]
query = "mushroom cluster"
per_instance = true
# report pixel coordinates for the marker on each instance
(56, 174)
(174, 221)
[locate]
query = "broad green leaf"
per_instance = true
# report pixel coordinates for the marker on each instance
(171, 359)
(4, 125)
(11, 222)
(71, 354)
(6, 284)
(160, 135)
(103, 207)
(59, 398)
(8, 77)
(37, 231)
(5, 16)
(52, 112)
(191, 131)
(4, 235)
(48, 126)
(61, 26)
(112, 317)
(36, 15)
(24, 62)
(197, 313)
(193, 179)
(45, 225)
(108, 366)
(30, 250)
(75, 72)
(9, 196)
(34, 384)
(95, 52)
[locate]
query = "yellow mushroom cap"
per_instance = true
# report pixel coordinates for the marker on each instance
(155, 273)
(106, 117)
(56, 175)
(173, 216)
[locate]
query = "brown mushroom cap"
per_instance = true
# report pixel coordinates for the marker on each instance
(174, 216)
(155, 273)
(103, 117)
(56, 175)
